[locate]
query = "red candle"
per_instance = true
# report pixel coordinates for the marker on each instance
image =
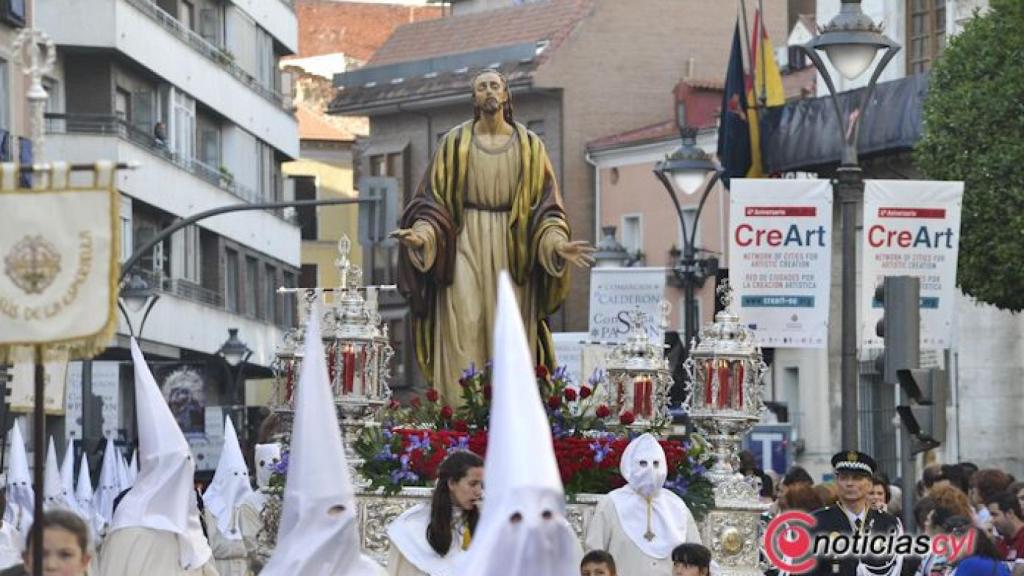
(289, 383)
(739, 382)
(362, 372)
(723, 384)
(619, 396)
(348, 361)
(648, 397)
(709, 369)
(638, 396)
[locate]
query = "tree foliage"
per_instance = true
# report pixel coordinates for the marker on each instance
(974, 131)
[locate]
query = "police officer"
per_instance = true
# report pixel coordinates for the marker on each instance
(850, 517)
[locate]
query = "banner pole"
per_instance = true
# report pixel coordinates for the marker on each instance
(38, 462)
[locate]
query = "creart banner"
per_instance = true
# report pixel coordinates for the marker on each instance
(59, 254)
(912, 228)
(780, 259)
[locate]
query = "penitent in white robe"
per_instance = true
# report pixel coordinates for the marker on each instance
(251, 524)
(605, 532)
(229, 554)
(137, 551)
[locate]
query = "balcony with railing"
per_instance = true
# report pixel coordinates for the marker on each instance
(216, 54)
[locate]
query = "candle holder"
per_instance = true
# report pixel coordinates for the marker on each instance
(639, 378)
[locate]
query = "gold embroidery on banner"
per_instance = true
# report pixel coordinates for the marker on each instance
(32, 264)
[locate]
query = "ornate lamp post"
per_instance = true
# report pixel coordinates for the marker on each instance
(726, 377)
(850, 42)
(686, 172)
(236, 354)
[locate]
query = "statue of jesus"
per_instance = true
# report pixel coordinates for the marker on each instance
(489, 201)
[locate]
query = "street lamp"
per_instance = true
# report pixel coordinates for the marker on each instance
(236, 354)
(137, 295)
(850, 41)
(684, 172)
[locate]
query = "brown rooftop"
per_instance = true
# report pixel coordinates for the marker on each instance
(535, 22)
(356, 29)
(313, 127)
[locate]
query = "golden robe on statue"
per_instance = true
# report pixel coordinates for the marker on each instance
(480, 211)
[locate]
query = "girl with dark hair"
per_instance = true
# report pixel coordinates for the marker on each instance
(983, 560)
(426, 540)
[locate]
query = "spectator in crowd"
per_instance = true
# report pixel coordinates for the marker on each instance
(160, 135)
(796, 477)
(1017, 489)
(597, 563)
(984, 486)
(980, 560)
(802, 497)
(65, 546)
(1008, 520)
(952, 499)
(956, 476)
(827, 492)
(748, 467)
(691, 559)
(931, 476)
(879, 495)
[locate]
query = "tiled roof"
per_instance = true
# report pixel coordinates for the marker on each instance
(356, 29)
(655, 132)
(355, 99)
(313, 127)
(539, 21)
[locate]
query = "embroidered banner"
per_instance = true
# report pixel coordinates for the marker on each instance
(912, 228)
(59, 255)
(780, 259)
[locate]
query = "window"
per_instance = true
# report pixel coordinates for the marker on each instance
(231, 280)
(309, 276)
(305, 189)
(123, 104)
(184, 130)
(926, 31)
(251, 285)
(288, 302)
(270, 294)
(269, 173)
(186, 254)
(209, 25)
(266, 64)
(13, 12)
(187, 14)
(632, 233)
(5, 97)
(126, 228)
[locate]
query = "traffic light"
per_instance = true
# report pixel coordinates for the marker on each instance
(924, 416)
(900, 325)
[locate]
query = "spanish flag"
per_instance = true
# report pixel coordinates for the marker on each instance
(764, 90)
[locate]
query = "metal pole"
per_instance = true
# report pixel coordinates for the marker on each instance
(689, 278)
(849, 188)
(38, 462)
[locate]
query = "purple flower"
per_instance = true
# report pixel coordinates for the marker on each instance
(417, 443)
(462, 444)
(700, 470)
(404, 473)
(679, 485)
(470, 373)
(281, 466)
(600, 451)
(559, 374)
(596, 377)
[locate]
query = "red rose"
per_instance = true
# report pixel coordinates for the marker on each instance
(585, 392)
(447, 413)
(394, 405)
(461, 426)
(415, 402)
(487, 391)
(603, 411)
(570, 395)
(541, 371)
(626, 418)
(432, 394)
(554, 402)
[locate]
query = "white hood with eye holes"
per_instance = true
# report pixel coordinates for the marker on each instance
(523, 530)
(319, 534)
(230, 485)
(655, 519)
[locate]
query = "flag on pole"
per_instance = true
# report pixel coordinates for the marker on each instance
(764, 91)
(733, 130)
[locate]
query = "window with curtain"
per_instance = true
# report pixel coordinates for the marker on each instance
(926, 33)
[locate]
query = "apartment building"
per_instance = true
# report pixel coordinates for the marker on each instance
(192, 91)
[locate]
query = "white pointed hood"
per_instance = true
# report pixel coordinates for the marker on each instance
(20, 495)
(133, 468)
(84, 497)
(67, 477)
(230, 485)
(106, 491)
(318, 534)
(523, 530)
(123, 482)
(164, 496)
(655, 519)
(53, 489)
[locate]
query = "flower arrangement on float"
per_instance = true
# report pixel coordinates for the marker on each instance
(588, 439)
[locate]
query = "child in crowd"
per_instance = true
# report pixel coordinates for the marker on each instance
(598, 563)
(691, 560)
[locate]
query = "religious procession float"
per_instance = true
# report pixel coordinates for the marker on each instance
(394, 449)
